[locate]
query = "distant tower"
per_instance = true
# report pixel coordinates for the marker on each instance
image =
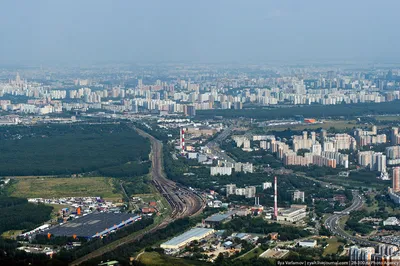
(17, 79)
(182, 140)
(276, 198)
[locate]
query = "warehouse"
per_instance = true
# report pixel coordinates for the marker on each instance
(187, 237)
(94, 225)
(217, 219)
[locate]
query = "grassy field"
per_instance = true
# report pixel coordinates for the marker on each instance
(156, 259)
(387, 118)
(11, 234)
(254, 253)
(52, 187)
(333, 246)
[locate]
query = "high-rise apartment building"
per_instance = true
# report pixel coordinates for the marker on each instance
(396, 179)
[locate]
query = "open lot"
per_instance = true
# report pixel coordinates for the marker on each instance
(333, 246)
(54, 187)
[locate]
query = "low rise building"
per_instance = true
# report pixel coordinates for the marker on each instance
(187, 237)
(391, 221)
(309, 243)
(293, 214)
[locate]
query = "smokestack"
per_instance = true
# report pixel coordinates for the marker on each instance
(183, 140)
(276, 199)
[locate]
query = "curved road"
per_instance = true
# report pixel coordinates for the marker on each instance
(183, 201)
(332, 223)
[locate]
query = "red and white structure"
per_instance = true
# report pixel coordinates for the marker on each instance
(182, 140)
(276, 198)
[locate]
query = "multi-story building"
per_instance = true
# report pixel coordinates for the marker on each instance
(395, 136)
(250, 192)
(379, 162)
(220, 170)
(267, 185)
(396, 179)
(361, 254)
(298, 196)
(230, 189)
(364, 158)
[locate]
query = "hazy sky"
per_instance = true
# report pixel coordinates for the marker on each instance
(197, 30)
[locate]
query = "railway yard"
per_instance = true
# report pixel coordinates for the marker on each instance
(183, 201)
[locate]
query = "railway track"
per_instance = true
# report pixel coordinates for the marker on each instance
(183, 201)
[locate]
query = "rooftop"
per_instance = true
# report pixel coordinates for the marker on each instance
(219, 217)
(195, 232)
(91, 224)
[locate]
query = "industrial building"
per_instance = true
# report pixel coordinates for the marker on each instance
(187, 237)
(218, 218)
(309, 243)
(293, 214)
(94, 225)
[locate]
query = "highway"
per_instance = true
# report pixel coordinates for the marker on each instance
(332, 223)
(183, 201)
(214, 145)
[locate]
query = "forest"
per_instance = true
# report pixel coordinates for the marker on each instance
(316, 111)
(18, 214)
(65, 149)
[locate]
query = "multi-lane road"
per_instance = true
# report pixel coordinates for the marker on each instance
(332, 222)
(213, 145)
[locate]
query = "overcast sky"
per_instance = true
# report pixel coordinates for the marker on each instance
(261, 31)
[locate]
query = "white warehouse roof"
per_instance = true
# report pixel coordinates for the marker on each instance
(187, 237)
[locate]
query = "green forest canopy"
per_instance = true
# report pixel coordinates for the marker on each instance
(69, 149)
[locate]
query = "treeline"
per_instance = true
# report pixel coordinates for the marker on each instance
(248, 224)
(317, 111)
(354, 224)
(18, 214)
(128, 169)
(75, 148)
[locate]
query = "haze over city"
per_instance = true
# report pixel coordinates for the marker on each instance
(256, 31)
(198, 133)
